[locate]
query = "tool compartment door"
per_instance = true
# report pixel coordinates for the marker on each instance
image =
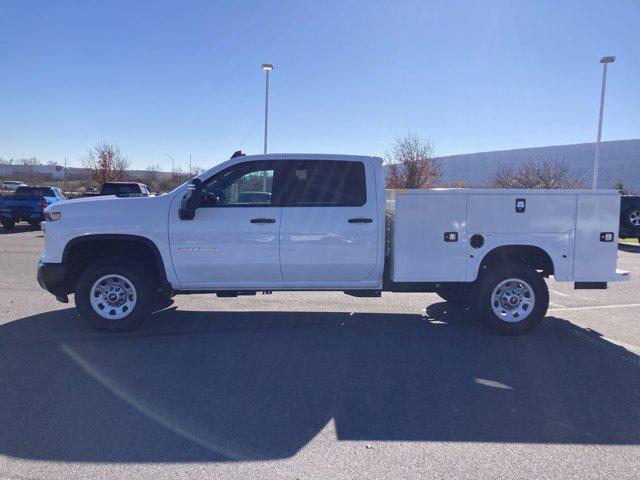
(594, 259)
(420, 252)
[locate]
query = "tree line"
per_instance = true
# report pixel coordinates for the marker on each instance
(106, 163)
(410, 163)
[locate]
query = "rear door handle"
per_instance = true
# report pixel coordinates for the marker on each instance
(263, 220)
(360, 220)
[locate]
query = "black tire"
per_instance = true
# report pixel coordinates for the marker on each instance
(630, 218)
(8, 224)
(458, 295)
(135, 273)
(35, 225)
(490, 280)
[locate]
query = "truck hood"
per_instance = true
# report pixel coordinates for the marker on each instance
(104, 200)
(144, 216)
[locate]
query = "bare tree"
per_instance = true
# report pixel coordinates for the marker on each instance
(411, 163)
(550, 173)
(106, 163)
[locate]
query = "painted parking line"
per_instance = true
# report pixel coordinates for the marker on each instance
(596, 307)
(560, 293)
(562, 307)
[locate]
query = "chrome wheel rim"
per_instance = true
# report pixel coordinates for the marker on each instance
(113, 297)
(513, 300)
(634, 218)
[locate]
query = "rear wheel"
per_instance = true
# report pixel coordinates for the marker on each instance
(114, 294)
(8, 224)
(512, 300)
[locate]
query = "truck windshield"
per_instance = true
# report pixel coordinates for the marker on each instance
(34, 192)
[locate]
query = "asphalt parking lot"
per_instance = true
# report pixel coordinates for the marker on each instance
(317, 385)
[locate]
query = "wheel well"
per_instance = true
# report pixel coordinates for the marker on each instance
(79, 254)
(530, 255)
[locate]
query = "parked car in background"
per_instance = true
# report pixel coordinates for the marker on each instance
(630, 217)
(91, 192)
(254, 197)
(12, 184)
(125, 189)
(28, 204)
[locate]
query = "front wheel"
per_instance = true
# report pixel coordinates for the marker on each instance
(512, 300)
(631, 219)
(114, 294)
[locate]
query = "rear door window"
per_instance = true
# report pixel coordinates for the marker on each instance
(325, 183)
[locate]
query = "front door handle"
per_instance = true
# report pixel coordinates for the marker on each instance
(263, 220)
(360, 220)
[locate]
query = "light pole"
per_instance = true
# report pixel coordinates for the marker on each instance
(267, 67)
(604, 61)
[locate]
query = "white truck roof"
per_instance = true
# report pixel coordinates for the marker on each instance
(309, 156)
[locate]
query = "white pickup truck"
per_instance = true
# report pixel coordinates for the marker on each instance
(325, 222)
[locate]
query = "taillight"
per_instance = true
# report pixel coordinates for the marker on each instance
(44, 203)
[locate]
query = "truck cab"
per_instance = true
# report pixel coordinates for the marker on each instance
(325, 222)
(321, 226)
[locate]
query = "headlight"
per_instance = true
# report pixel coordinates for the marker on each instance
(52, 216)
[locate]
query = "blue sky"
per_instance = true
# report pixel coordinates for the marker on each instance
(184, 77)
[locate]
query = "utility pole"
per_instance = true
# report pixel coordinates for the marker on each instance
(65, 173)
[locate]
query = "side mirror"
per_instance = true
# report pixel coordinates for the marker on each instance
(191, 201)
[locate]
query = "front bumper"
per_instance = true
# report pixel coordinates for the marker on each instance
(51, 277)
